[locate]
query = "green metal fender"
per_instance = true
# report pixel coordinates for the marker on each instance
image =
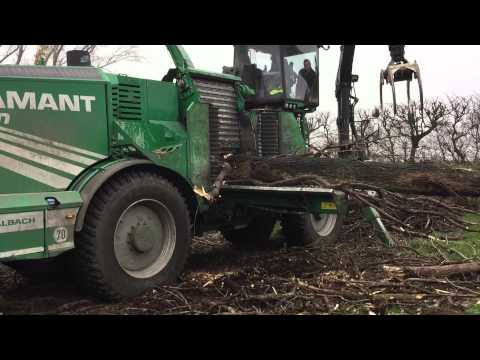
(90, 182)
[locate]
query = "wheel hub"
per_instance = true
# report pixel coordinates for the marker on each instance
(324, 224)
(141, 238)
(144, 238)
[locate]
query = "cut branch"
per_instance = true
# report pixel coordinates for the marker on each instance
(418, 179)
(435, 271)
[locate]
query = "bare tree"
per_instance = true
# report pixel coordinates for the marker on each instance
(319, 129)
(101, 55)
(56, 53)
(12, 53)
(388, 143)
(114, 55)
(41, 55)
(474, 127)
(442, 143)
(415, 125)
(368, 131)
(459, 108)
(21, 51)
(449, 130)
(7, 51)
(453, 138)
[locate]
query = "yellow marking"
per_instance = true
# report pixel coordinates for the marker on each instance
(329, 206)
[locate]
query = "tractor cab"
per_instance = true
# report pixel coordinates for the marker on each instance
(282, 76)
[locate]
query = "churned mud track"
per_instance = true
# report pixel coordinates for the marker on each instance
(347, 278)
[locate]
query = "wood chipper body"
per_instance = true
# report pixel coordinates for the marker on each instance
(111, 173)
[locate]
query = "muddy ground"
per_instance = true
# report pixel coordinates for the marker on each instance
(345, 278)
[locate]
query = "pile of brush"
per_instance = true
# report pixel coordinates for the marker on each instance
(419, 200)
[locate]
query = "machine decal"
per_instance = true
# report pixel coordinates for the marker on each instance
(10, 254)
(329, 206)
(41, 159)
(21, 222)
(61, 224)
(54, 143)
(33, 101)
(35, 173)
(167, 149)
(60, 235)
(5, 118)
(47, 149)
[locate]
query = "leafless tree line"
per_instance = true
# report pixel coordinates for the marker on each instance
(101, 55)
(447, 130)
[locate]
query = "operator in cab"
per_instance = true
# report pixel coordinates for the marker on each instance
(306, 80)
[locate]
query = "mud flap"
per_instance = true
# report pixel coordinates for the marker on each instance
(371, 215)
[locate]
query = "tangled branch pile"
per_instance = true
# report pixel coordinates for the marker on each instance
(354, 276)
(406, 196)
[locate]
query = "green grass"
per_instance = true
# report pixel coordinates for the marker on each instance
(474, 310)
(456, 250)
(395, 310)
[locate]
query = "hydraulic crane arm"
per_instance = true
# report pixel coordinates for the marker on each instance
(343, 88)
(399, 69)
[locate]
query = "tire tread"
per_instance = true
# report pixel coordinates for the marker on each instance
(86, 264)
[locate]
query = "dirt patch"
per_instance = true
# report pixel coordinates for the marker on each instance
(346, 278)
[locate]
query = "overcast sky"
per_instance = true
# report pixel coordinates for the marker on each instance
(446, 69)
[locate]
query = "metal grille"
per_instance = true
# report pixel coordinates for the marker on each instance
(50, 72)
(215, 143)
(224, 122)
(115, 101)
(267, 134)
(127, 102)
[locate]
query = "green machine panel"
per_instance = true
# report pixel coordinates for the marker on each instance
(21, 234)
(291, 139)
(51, 130)
(146, 113)
(37, 225)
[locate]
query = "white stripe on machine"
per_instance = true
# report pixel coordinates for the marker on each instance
(48, 149)
(63, 246)
(54, 143)
(35, 173)
(41, 159)
(21, 222)
(9, 254)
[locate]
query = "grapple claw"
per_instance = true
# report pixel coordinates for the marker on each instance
(401, 72)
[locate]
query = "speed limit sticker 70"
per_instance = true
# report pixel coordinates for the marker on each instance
(60, 234)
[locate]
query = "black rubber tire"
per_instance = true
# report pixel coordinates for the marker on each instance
(298, 230)
(257, 235)
(95, 262)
